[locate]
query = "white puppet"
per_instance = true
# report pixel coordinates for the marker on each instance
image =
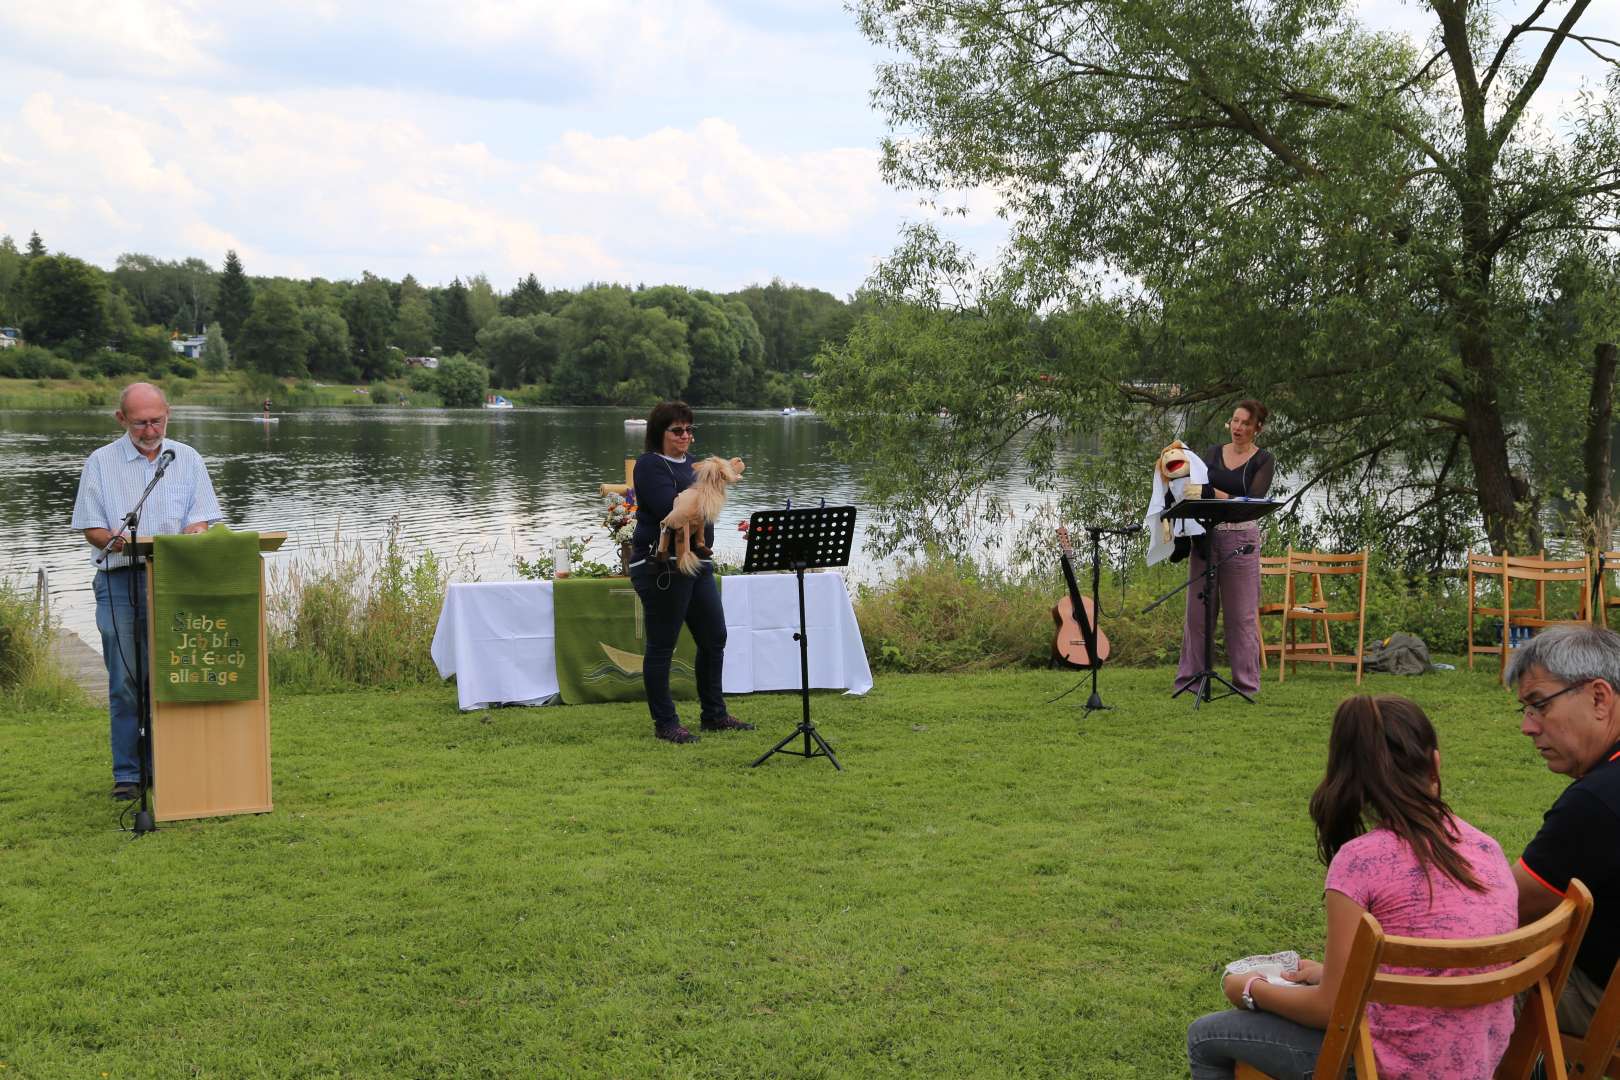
(1178, 474)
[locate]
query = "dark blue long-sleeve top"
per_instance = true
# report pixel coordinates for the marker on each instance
(657, 481)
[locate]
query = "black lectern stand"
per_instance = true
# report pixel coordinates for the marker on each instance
(1209, 513)
(800, 540)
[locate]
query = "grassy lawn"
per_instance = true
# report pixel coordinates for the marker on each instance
(993, 887)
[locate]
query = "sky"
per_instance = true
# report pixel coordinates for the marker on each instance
(708, 143)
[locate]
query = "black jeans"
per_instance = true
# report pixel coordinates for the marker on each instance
(669, 599)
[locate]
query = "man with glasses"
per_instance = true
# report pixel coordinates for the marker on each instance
(1568, 682)
(109, 487)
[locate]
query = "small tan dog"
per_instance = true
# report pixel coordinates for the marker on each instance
(697, 506)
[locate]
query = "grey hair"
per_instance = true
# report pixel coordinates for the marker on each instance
(123, 397)
(1569, 653)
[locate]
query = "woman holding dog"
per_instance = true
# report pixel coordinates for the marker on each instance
(669, 598)
(1238, 469)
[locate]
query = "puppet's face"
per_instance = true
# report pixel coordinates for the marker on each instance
(1173, 462)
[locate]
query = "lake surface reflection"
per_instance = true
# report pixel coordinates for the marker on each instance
(483, 485)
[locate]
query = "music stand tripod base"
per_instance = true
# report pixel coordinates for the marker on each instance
(800, 540)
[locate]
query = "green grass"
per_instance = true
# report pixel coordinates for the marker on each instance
(994, 886)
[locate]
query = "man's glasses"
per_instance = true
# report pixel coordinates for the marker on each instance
(682, 429)
(157, 422)
(1539, 708)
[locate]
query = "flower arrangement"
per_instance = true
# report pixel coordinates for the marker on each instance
(620, 520)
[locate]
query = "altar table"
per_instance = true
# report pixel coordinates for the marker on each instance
(497, 638)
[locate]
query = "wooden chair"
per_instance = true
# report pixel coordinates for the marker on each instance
(1593, 1054)
(1538, 959)
(1317, 565)
(1484, 568)
(1608, 562)
(1270, 566)
(1542, 572)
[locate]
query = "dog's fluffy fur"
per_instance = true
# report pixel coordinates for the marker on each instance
(697, 506)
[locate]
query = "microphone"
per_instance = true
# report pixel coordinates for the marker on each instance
(1127, 530)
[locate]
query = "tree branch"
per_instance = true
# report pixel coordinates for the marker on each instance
(1507, 44)
(1532, 83)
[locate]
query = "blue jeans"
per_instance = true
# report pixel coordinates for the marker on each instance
(669, 599)
(1277, 1047)
(120, 637)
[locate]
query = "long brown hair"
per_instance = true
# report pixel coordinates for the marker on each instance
(1380, 772)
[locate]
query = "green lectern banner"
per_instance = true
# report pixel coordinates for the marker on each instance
(205, 616)
(599, 644)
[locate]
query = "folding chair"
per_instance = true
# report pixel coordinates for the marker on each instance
(1608, 562)
(1487, 568)
(1593, 1054)
(1543, 572)
(1270, 566)
(1318, 611)
(1538, 959)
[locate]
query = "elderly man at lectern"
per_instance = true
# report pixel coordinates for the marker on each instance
(109, 487)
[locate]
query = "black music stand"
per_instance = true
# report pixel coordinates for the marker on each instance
(800, 540)
(1209, 513)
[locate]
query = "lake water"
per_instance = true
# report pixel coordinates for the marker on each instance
(481, 485)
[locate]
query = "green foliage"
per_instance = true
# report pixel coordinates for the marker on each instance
(945, 615)
(615, 353)
(795, 323)
(1343, 249)
(64, 304)
(235, 298)
(361, 616)
(519, 349)
(461, 383)
(216, 354)
(178, 294)
(369, 312)
(328, 337)
(725, 346)
(457, 333)
(413, 329)
(543, 567)
(273, 340)
(29, 675)
(527, 298)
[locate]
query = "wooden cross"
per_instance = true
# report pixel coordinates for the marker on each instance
(629, 479)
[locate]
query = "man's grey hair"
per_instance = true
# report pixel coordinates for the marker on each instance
(123, 398)
(1569, 653)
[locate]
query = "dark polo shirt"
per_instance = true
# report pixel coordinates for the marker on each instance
(1580, 838)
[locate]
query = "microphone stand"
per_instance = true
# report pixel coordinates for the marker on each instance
(144, 822)
(1200, 685)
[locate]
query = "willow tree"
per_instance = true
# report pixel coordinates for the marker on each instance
(1362, 229)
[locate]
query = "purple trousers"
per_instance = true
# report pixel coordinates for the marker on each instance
(1237, 590)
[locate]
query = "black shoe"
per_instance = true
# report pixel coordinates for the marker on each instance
(726, 723)
(126, 790)
(675, 733)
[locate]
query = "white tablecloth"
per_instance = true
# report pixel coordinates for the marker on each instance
(496, 638)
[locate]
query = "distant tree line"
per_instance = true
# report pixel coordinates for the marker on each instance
(600, 344)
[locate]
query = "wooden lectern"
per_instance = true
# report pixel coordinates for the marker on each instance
(211, 758)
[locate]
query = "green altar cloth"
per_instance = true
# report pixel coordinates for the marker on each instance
(205, 616)
(599, 644)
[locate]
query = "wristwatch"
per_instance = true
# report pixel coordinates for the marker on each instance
(1248, 998)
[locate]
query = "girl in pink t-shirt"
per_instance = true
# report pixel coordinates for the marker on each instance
(1395, 850)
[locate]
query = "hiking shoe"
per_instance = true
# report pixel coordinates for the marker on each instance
(726, 723)
(675, 733)
(125, 790)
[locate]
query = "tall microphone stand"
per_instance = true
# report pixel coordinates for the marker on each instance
(144, 822)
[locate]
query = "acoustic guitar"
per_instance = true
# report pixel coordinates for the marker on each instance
(1079, 641)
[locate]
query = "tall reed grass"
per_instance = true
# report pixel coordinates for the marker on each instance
(29, 673)
(354, 614)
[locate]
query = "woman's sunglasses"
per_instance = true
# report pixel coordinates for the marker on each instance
(682, 429)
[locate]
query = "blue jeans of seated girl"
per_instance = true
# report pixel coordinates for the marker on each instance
(670, 599)
(1277, 1047)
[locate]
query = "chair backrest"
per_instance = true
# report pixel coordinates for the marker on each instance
(1534, 958)
(1542, 571)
